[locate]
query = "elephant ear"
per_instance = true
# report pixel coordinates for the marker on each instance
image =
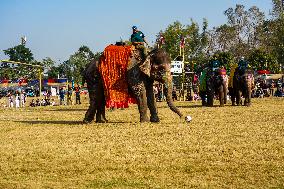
(145, 67)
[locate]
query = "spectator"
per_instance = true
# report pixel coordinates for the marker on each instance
(32, 104)
(155, 91)
(37, 102)
(17, 100)
(78, 97)
(61, 95)
(10, 100)
(271, 88)
(69, 95)
(23, 99)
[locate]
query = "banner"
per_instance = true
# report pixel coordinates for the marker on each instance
(177, 67)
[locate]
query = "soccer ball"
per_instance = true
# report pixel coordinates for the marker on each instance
(188, 118)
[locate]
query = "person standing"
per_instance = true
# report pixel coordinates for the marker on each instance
(69, 95)
(77, 93)
(10, 100)
(23, 99)
(17, 100)
(61, 96)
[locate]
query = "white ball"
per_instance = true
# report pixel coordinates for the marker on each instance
(188, 118)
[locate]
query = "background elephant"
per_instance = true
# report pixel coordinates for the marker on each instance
(243, 82)
(214, 83)
(140, 77)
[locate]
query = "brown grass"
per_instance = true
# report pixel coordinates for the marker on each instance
(229, 147)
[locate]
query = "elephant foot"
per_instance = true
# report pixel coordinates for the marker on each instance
(247, 104)
(222, 105)
(101, 121)
(143, 120)
(87, 121)
(155, 119)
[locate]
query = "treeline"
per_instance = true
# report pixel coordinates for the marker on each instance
(247, 33)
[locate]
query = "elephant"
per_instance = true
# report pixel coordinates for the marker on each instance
(140, 75)
(214, 81)
(242, 83)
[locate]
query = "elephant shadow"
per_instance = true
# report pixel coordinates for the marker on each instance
(52, 122)
(63, 122)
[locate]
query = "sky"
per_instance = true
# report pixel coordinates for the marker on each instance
(57, 28)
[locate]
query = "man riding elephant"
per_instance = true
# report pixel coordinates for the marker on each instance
(242, 82)
(138, 40)
(213, 81)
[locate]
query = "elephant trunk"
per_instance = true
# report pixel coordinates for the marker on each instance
(168, 93)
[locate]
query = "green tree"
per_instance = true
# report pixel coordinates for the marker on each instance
(226, 59)
(194, 42)
(278, 13)
(77, 63)
(20, 53)
(260, 60)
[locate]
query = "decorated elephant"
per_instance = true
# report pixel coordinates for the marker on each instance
(122, 72)
(241, 83)
(213, 81)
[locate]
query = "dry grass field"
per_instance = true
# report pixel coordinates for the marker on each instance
(229, 147)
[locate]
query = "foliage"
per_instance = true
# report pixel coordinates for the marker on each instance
(226, 59)
(194, 42)
(260, 60)
(239, 35)
(77, 63)
(20, 53)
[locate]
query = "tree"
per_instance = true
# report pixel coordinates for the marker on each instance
(195, 43)
(260, 60)
(243, 25)
(77, 63)
(278, 33)
(226, 59)
(20, 53)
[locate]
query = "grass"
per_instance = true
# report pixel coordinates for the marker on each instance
(229, 147)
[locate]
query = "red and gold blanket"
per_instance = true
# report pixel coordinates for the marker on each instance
(113, 67)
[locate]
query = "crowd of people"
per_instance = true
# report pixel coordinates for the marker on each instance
(18, 98)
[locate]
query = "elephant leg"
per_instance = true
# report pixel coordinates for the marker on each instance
(139, 92)
(247, 95)
(142, 106)
(100, 116)
(90, 114)
(221, 95)
(238, 97)
(203, 100)
(225, 91)
(232, 95)
(151, 102)
(210, 92)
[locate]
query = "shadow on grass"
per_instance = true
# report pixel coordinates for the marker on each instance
(195, 106)
(67, 109)
(61, 122)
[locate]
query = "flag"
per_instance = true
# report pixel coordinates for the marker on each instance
(162, 39)
(182, 41)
